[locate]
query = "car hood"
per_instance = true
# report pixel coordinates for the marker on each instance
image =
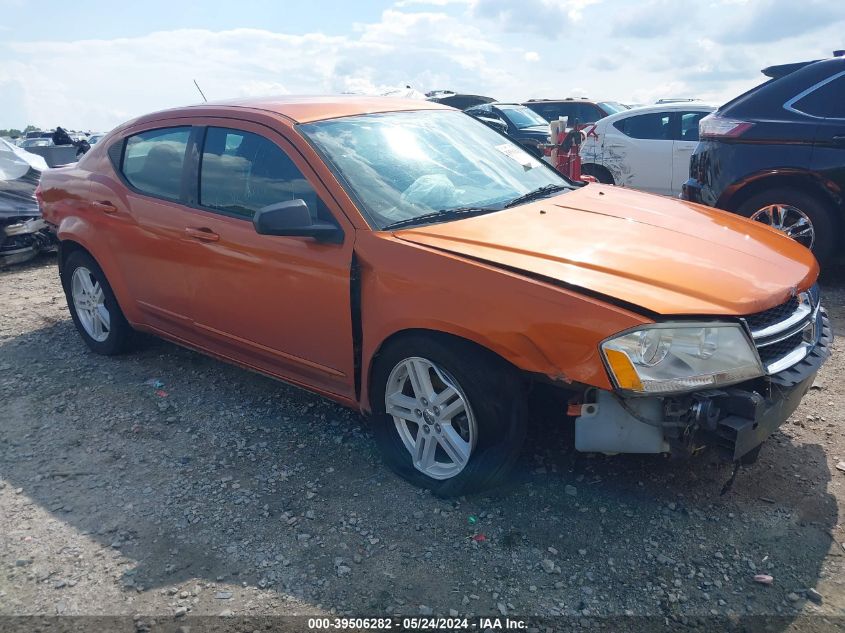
(661, 255)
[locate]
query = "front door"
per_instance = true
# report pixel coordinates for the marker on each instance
(279, 304)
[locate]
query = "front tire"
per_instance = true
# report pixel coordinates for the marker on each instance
(93, 306)
(802, 216)
(448, 416)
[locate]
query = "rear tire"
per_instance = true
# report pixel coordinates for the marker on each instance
(93, 306)
(491, 426)
(819, 214)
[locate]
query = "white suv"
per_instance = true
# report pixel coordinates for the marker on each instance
(646, 148)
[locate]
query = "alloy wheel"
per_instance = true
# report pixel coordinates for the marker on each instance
(432, 416)
(89, 302)
(788, 219)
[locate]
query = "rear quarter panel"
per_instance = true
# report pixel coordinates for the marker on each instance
(67, 194)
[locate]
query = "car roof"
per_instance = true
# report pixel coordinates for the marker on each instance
(566, 100)
(305, 109)
(661, 107)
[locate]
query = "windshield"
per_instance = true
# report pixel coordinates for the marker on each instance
(404, 165)
(522, 117)
(612, 107)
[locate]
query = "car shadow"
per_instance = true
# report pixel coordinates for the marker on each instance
(217, 475)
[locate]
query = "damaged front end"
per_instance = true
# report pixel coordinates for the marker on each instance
(791, 343)
(23, 236)
(23, 232)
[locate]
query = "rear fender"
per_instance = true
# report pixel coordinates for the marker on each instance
(742, 189)
(76, 230)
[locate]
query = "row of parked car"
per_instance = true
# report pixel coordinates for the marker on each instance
(775, 154)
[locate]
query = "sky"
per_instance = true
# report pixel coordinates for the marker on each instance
(91, 65)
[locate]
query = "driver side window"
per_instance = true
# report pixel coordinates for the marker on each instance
(242, 172)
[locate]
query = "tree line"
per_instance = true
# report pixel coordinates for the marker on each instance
(14, 132)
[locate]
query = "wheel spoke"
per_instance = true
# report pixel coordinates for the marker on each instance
(76, 287)
(441, 399)
(777, 216)
(97, 293)
(103, 316)
(425, 448)
(401, 406)
(454, 445)
(85, 278)
(96, 325)
(452, 409)
(85, 319)
(420, 379)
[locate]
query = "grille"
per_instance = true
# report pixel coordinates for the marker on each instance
(775, 351)
(773, 315)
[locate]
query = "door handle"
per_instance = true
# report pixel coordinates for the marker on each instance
(202, 234)
(105, 206)
(839, 140)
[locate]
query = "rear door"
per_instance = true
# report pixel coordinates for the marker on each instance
(638, 151)
(685, 142)
(146, 218)
(825, 103)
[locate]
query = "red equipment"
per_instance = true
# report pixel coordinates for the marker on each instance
(564, 152)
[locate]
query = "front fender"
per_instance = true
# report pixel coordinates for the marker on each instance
(535, 326)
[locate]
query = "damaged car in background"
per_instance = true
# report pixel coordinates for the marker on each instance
(23, 233)
(435, 275)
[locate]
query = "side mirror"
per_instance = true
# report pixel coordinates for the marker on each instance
(292, 218)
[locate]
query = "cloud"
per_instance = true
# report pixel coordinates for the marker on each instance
(126, 77)
(433, 3)
(771, 21)
(489, 47)
(652, 19)
(549, 18)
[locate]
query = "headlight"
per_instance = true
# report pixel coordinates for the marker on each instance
(667, 358)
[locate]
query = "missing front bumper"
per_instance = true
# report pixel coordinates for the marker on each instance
(735, 420)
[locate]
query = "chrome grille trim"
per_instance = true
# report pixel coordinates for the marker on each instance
(802, 320)
(797, 318)
(795, 356)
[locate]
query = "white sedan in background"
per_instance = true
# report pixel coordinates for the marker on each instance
(646, 148)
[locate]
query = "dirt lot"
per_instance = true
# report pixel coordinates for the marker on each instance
(222, 491)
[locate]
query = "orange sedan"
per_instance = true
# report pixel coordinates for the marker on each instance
(404, 259)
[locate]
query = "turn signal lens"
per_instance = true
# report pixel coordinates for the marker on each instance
(623, 369)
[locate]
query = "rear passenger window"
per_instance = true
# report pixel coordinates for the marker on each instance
(242, 172)
(826, 101)
(689, 125)
(153, 160)
(653, 127)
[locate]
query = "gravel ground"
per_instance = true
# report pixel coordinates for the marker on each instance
(223, 492)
